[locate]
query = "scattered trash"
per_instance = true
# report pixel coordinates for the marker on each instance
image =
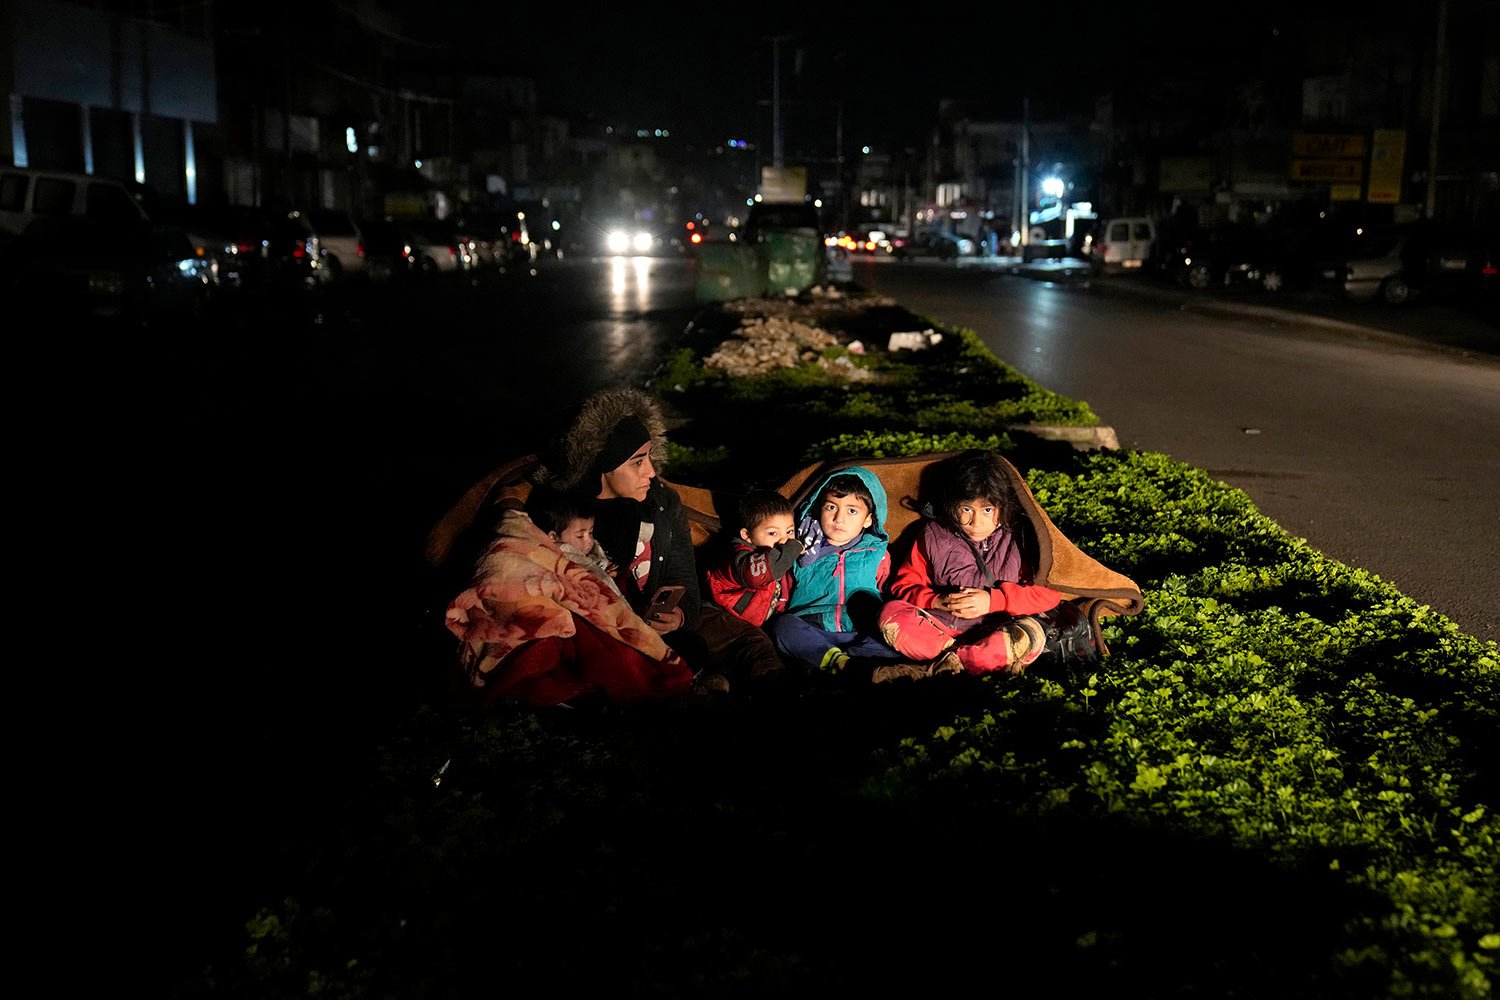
(913, 340)
(437, 778)
(856, 347)
(1250, 430)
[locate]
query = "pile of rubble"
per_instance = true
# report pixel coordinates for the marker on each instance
(783, 333)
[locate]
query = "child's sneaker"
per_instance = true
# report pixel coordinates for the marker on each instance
(1028, 640)
(887, 672)
(834, 661)
(948, 663)
(709, 684)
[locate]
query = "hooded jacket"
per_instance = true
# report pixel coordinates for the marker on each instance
(568, 464)
(827, 577)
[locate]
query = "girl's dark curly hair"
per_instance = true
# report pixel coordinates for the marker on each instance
(976, 474)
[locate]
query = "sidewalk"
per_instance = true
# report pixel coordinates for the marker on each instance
(1445, 326)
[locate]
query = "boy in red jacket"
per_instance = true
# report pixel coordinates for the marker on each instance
(755, 580)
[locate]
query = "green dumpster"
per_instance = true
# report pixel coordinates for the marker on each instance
(793, 260)
(725, 271)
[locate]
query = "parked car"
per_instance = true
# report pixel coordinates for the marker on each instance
(137, 272)
(935, 244)
(340, 241)
(440, 247)
(27, 194)
(390, 251)
(255, 250)
(1123, 244)
(500, 238)
(1397, 264)
(545, 229)
(1226, 256)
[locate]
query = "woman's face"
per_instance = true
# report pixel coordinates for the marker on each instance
(978, 518)
(631, 479)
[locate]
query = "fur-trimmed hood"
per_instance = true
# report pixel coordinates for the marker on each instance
(568, 458)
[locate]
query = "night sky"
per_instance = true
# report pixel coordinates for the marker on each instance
(706, 74)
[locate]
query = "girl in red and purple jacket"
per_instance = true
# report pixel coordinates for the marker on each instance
(963, 591)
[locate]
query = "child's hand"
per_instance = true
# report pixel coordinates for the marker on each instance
(970, 602)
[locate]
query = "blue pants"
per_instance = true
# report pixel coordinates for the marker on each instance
(803, 642)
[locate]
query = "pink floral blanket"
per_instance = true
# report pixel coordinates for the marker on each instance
(526, 589)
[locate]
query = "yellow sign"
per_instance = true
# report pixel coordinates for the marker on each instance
(1387, 155)
(783, 183)
(1344, 192)
(1312, 146)
(1329, 171)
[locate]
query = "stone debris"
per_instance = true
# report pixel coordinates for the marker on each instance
(764, 343)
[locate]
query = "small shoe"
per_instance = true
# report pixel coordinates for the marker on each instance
(948, 663)
(900, 671)
(1028, 640)
(834, 661)
(709, 684)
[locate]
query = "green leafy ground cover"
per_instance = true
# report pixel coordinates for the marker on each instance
(1282, 782)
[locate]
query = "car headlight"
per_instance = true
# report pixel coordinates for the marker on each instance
(617, 241)
(641, 241)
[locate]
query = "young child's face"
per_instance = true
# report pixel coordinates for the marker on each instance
(579, 533)
(978, 518)
(770, 531)
(843, 518)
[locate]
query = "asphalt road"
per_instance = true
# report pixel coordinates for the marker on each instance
(1381, 448)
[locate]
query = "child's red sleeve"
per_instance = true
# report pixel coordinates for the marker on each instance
(1023, 599)
(913, 579)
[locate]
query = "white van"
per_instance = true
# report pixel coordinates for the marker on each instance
(1123, 244)
(27, 194)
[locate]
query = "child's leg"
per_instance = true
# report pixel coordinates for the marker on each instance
(912, 632)
(802, 642)
(1008, 649)
(734, 647)
(870, 647)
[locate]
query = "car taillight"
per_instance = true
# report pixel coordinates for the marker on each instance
(299, 250)
(359, 248)
(244, 246)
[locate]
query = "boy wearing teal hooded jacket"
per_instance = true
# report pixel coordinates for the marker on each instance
(831, 618)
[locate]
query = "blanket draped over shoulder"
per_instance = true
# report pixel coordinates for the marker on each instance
(525, 589)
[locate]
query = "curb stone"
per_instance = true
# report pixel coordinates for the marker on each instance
(1081, 438)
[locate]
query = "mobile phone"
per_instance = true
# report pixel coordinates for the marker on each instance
(664, 600)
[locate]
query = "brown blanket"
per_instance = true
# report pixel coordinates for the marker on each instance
(1097, 590)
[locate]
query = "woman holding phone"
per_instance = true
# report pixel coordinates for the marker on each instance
(533, 630)
(615, 447)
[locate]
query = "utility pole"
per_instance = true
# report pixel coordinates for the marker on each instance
(1439, 73)
(776, 41)
(1023, 217)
